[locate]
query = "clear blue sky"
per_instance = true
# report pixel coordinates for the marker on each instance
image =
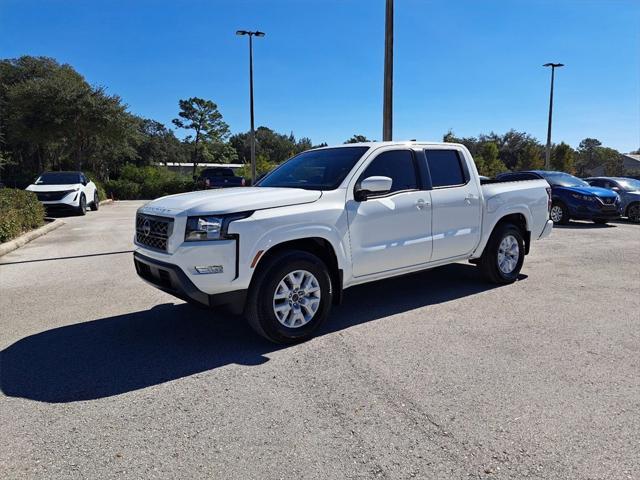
(471, 66)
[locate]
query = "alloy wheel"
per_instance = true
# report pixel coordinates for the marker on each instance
(296, 299)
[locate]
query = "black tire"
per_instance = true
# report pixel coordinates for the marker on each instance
(563, 217)
(259, 309)
(96, 202)
(489, 261)
(600, 221)
(82, 205)
(633, 212)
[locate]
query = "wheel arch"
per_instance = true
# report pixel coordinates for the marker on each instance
(517, 218)
(318, 246)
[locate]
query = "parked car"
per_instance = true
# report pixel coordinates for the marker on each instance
(66, 190)
(573, 197)
(284, 250)
(219, 177)
(627, 188)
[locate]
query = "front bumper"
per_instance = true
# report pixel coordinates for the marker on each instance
(594, 210)
(173, 280)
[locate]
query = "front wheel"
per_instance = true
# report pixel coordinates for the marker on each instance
(503, 256)
(559, 213)
(82, 205)
(290, 298)
(96, 202)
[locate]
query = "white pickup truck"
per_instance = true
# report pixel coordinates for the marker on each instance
(284, 251)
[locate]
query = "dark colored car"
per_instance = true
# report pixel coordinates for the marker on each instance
(627, 188)
(219, 177)
(573, 197)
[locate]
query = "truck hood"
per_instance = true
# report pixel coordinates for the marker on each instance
(229, 200)
(53, 188)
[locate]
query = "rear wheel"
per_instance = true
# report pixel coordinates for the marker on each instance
(290, 298)
(559, 213)
(503, 256)
(82, 205)
(96, 202)
(633, 212)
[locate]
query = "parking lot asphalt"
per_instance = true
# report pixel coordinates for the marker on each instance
(432, 375)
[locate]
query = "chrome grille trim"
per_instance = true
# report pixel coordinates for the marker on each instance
(153, 231)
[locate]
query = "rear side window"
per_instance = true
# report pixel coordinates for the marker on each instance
(445, 167)
(398, 165)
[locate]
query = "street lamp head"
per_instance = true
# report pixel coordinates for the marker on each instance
(259, 34)
(555, 65)
(242, 32)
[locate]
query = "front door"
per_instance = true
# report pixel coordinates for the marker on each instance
(392, 230)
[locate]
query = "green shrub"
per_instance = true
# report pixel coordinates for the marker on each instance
(147, 183)
(19, 211)
(122, 189)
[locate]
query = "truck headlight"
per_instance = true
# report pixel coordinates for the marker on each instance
(212, 227)
(203, 228)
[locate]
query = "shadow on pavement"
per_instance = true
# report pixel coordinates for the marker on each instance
(119, 354)
(586, 225)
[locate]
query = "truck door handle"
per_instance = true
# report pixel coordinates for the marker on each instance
(421, 203)
(469, 197)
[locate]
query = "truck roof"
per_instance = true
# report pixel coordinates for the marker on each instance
(392, 143)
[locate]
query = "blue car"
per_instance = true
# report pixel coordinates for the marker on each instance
(627, 188)
(572, 197)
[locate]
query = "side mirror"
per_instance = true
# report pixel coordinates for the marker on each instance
(372, 186)
(615, 189)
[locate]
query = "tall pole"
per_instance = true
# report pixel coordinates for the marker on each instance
(253, 132)
(387, 109)
(257, 33)
(547, 153)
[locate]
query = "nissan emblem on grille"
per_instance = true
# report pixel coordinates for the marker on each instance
(153, 232)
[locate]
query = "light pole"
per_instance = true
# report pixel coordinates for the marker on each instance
(387, 107)
(253, 132)
(547, 154)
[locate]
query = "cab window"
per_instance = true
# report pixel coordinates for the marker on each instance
(398, 165)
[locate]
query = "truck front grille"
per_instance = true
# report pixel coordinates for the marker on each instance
(153, 232)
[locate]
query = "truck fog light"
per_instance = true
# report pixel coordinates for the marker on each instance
(210, 269)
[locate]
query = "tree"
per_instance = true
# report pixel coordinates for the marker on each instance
(529, 157)
(589, 155)
(562, 158)
(613, 162)
(275, 147)
(158, 145)
(203, 118)
(357, 139)
(491, 165)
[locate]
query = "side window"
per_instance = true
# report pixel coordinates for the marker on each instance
(445, 167)
(597, 183)
(398, 165)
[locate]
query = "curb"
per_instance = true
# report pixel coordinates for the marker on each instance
(105, 201)
(16, 243)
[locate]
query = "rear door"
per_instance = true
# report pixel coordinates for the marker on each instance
(393, 230)
(455, 197)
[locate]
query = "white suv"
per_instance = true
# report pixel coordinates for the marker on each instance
(66, 190)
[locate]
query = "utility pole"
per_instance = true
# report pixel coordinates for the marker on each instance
(253, 132)
(387, 109)
(547, 153)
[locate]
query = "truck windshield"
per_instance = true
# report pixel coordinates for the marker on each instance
(559, 179)
(323, 169)
(58, 178)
